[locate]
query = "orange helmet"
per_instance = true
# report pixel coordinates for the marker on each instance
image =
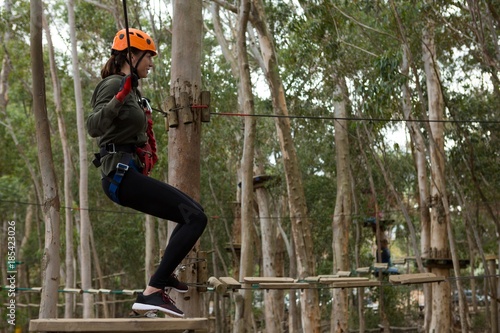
(138, 39)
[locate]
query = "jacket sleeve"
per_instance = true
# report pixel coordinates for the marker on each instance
(105, 108)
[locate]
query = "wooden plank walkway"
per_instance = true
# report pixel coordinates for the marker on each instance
(117, 325)
(415, 278)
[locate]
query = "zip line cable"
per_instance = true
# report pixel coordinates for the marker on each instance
(246, 286)
(131, 212)
(370, 119)
(356, 118)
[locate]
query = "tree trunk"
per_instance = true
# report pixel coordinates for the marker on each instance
(100, 278)
(184, 141)
(357, 251)
(420, 159)
(273, 299)
(243, 320)
(85, 229)
(68, 176)
(441, 317)
(301, 230)
(50, 262)
(151, 254)
(342, 216)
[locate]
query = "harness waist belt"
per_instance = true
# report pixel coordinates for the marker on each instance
(111, 148)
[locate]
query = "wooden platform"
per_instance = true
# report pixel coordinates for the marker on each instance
(100, 325)
(284, 285)
(269, 279)
(311, 282)
(356, 284)
(415, 278)
(230, 282)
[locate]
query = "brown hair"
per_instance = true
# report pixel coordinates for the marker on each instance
(116, 61)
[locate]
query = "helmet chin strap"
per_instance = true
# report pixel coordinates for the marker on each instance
(133, 69)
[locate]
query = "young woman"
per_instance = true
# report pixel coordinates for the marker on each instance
(120, 123)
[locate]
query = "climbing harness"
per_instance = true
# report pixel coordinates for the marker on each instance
(117, 179)
(147, 153)
(126, 161)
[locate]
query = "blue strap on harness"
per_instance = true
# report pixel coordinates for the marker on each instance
(121, 168)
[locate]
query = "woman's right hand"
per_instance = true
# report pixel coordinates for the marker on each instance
(128, 82)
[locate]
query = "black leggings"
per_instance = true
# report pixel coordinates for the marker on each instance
(159, 199)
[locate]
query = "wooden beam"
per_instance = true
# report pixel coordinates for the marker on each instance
(216, 285)
(268, 279)
(100, 325)
(356, 284)
(400, 261)
(230, 282)
(363, 269)
(284, 285)
(329, 280)
(312, 279)
(415, 278)
(382, 265)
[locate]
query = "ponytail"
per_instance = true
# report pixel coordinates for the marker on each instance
(114, 64)
(116, 61)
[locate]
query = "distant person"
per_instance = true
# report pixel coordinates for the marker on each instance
(121, 122)
(385, 254)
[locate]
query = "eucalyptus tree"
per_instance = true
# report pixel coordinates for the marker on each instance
(242, 320)
(85, 226)
(69, 269)
(237, 58)
(300, 223)
(51, 261)
(15, 180)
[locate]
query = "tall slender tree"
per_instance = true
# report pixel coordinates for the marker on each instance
(301, 230)
(441, 320)
(51, 261)
(242, 321)
(69, 267)
(342, 217)
(85, 228)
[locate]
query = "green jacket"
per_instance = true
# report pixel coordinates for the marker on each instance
(114, 122)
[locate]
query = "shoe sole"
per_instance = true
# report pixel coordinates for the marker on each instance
(141, 306)
(144, 314)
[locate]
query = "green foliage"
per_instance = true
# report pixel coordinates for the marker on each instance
(316, 41)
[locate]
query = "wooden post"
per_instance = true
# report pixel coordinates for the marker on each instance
(202, 269)
(172, 119)
(205, 112)
(186, 113)
(492, 268)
